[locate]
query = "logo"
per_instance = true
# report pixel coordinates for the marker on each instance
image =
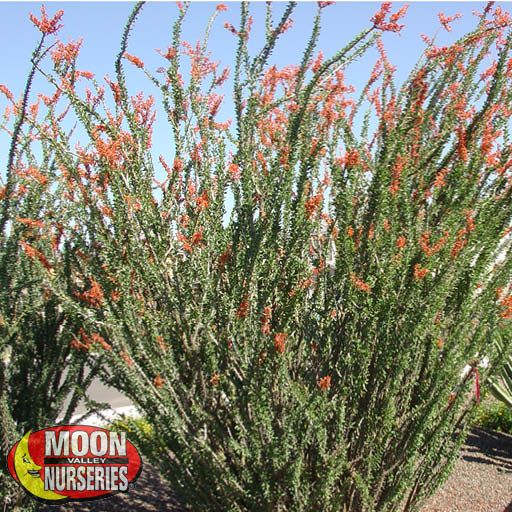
(74, 463)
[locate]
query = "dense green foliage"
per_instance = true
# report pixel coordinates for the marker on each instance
(292, 307)
(494, 416)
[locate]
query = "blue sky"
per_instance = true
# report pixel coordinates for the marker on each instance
(101, 23)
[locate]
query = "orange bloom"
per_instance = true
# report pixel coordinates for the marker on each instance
(395, 175)
(440, 343)
(350, 231)
(506, 303)
(195, 239)
(352, 158)
(446, 20)
(215, 379)
(33, 172)
(134, 60)
(462, 149)
(360, 284)
(265, 319)
(379, 19)
(401, 242)
(224, 258)
(86, 341)
(126, 358)
(243, 308)
(430, 250)
(169, 54)
(459, 243)
(311, 205)
(31, 222)
(33, 253)
(94, 296)
(66, 52)
(324, 383)
(419, 272)
(4, 90)
(279, 342)
(45, 25)
(235, 171)
(440, 178)
(202, 201)
(158, 381)
(470, 221)
(86, 74)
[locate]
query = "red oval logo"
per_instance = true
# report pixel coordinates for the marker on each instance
(74, 463)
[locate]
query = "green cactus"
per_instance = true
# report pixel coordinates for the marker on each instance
(502, 388)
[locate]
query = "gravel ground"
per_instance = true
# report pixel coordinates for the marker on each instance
(482, 478)
(480, 482)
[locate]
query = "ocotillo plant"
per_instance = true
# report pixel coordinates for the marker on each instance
(291, 307)
(42, 378)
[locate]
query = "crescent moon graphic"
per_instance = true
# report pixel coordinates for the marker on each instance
(28, 472)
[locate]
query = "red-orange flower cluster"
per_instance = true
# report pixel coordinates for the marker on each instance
(379, 18)
(48, 25)
(311, 205)
(134, 60)
(66, 52)
(279, 342)
(446, 20)
(234, 171)
(401, 242)
(324, 383)
(34, 253)
(159, 381)
(360, 284)
(189, 243)
(427, 248)
(420, 272)
(126, 358)
(94, 296)
(32, 223)
(243, 308)
(506, 303)
(87, 341)
(265, 319)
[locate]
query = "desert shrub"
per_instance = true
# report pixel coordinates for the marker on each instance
(42, 378)
(292, 306)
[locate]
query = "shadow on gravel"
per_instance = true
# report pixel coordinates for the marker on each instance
(489, 447)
